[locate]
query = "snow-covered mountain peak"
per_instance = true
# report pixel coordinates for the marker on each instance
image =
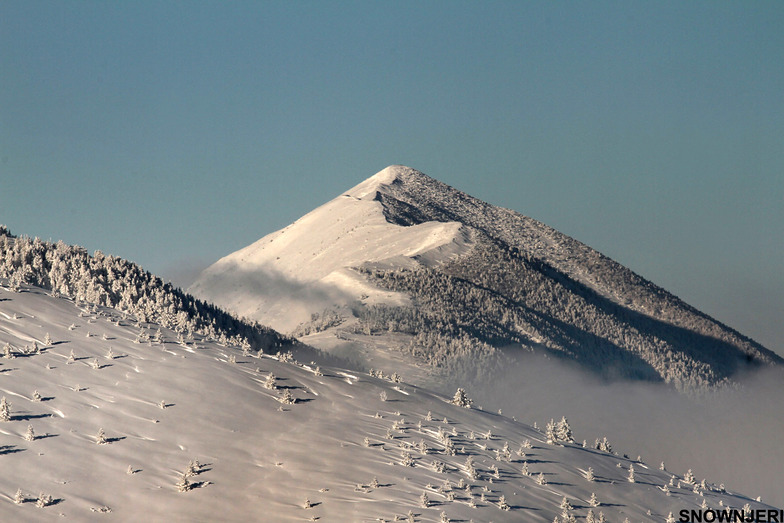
(399, 174)
(414, 264)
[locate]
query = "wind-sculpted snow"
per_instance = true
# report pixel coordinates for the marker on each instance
(106, 416)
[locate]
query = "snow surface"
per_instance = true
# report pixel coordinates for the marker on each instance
(262, 459)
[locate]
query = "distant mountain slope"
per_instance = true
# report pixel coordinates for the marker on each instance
(404, 261)
(99, 425)
(111, 281)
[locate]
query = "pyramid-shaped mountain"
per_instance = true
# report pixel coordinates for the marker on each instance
(404, 269)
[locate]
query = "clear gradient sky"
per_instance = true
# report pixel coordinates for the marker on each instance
(173, 133)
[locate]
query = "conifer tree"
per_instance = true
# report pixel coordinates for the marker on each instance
(424, 500)
(5, 410)
(19, 498)
(630, 477)
(564, 431)
(549, 432)
(30, 434)
(183, 485)
(589, 474)
(461, 399)
(594, 502)
(100, 438)
(44, 500)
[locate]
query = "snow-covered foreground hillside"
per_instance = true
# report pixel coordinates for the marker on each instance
(346, 447)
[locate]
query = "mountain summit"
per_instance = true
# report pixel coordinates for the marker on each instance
(403, 267)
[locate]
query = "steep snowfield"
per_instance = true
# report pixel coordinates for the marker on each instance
(162, 405)
(286, 276)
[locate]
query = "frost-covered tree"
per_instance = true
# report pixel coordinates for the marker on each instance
(30, 434)
(7, 353)
(670, 518)
(19, 497)
(630, 477)
(5, 410)
(689, 477)
(470, 469)
(48, 340)
(594, 502)
(287, 398)
(100, 438)
(269, 382)
(502, 504)
(563, 431)
(549, 432)
(540, 479)
(590, 517)
(37, 396)
(406, 459)
(461, 399)
(589, 475)
(183, 485)
(44, 500)
(566, 507)
(424, 500)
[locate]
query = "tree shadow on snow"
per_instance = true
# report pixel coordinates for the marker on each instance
(9, 449)
(27, 417)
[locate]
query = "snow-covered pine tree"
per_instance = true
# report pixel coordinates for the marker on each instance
(5, 410)
(44, 500)
(30, 434)
(183, 485)
(100, 438)
(689, 477)
(287, 398)
(589, 474)
(563, 431)
(594, 502)
(549, 432)
(630, 477)
(566, 507)
(461, 399)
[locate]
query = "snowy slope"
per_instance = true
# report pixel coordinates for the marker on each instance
(404, 261)
(164, 404)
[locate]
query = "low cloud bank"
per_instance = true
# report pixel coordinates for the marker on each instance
(731, 436)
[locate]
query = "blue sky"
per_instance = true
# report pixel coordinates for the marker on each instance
(173, 133)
